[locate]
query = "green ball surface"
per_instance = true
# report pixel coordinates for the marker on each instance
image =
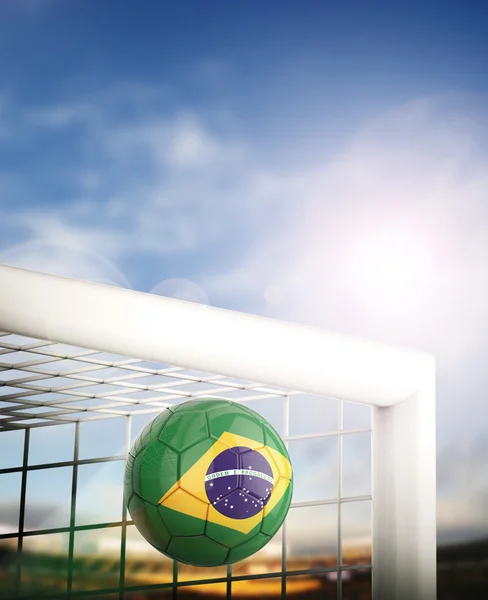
(208, 482)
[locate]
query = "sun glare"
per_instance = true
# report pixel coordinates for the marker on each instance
(392, 273)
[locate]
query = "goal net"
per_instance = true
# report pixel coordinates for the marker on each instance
(84, 366)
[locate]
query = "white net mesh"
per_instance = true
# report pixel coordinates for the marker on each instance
(45, 383)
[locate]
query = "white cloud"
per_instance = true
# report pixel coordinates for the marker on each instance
(63, 258)
(61, 231)
(62, 115)
(181, 142)
(158, 186)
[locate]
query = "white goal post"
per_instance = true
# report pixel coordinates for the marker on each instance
(398, 383)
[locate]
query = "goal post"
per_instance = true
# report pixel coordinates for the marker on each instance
(398, 383)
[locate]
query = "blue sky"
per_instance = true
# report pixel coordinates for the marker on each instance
(266, 157)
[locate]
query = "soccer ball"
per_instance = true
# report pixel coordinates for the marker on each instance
(208, 482)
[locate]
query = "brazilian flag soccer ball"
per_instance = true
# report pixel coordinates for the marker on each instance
(208, 482)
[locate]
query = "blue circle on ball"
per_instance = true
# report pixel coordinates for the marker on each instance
(239, 482)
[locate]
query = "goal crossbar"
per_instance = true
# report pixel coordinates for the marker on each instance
(194, 336)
